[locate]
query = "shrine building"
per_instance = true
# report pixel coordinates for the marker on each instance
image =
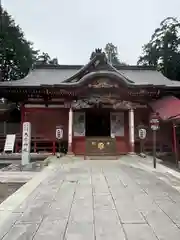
(99, 106)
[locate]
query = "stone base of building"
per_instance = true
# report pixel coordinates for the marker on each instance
(69, 153)
(132, 153)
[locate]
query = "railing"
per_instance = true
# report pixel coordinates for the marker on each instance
(163, 140)
(41, 143)
(38, 143)
(9, 128)
(161, 147)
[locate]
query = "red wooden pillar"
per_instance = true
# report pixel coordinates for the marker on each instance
(17, 147)
(54, 147)
(175, 150)
(35, 146)
(22, 116)
(21, 128)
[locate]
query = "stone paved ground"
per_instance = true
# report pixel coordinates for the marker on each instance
(85, 200)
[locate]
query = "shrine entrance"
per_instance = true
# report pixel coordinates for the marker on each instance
(98, 123)
(98, 133)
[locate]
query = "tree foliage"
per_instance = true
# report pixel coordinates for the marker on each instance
(16, 53)
(163, 50)
(45, 59)
(112, 53)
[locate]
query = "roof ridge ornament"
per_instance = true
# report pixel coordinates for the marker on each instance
(99, 55)
(98, 50)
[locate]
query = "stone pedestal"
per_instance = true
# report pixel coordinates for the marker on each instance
(25, 158)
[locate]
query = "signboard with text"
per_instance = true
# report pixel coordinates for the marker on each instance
(9, 143)
(26, 137)
(26, 143)
(154, 122)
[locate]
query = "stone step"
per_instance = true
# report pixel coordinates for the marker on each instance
(101, 157)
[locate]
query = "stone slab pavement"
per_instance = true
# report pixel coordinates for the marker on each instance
(87, 200)
(16, 176)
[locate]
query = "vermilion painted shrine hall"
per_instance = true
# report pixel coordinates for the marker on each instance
(99, 106)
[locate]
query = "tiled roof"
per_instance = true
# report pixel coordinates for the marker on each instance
(67, 75)
(40, 77)
(143, 77)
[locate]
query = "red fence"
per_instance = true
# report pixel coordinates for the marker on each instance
(38, 143)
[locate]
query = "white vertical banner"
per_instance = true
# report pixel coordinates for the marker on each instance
(26, 143)
(117, 124)
(79, 124)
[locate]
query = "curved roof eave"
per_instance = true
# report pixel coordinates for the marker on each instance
(81, 71)
(87, 77)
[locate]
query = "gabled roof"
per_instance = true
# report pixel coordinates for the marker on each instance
(163, 107)
(98, 64)
(74, 75)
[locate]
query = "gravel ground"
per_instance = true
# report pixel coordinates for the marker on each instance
(7, 189)
(17, 167)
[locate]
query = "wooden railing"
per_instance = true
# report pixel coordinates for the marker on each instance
(9, 128)
(41, 144)
(38, 144)
(148, 146)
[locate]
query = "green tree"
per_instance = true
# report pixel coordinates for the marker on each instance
(16, 53)
(162, 51)
(45, 59)
(112, 53)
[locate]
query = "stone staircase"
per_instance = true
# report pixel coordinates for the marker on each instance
(101, 157)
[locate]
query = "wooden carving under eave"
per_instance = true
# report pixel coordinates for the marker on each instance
(122, 105)
(97, 102)
(102, 83)
(79, 104)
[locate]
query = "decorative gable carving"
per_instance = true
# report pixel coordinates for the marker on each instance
(102, 83)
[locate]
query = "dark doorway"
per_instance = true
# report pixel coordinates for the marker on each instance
(98, 123)
(15, 116)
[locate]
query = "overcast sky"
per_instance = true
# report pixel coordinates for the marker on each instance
(72, 29)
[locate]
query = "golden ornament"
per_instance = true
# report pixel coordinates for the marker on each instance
(100, 145)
